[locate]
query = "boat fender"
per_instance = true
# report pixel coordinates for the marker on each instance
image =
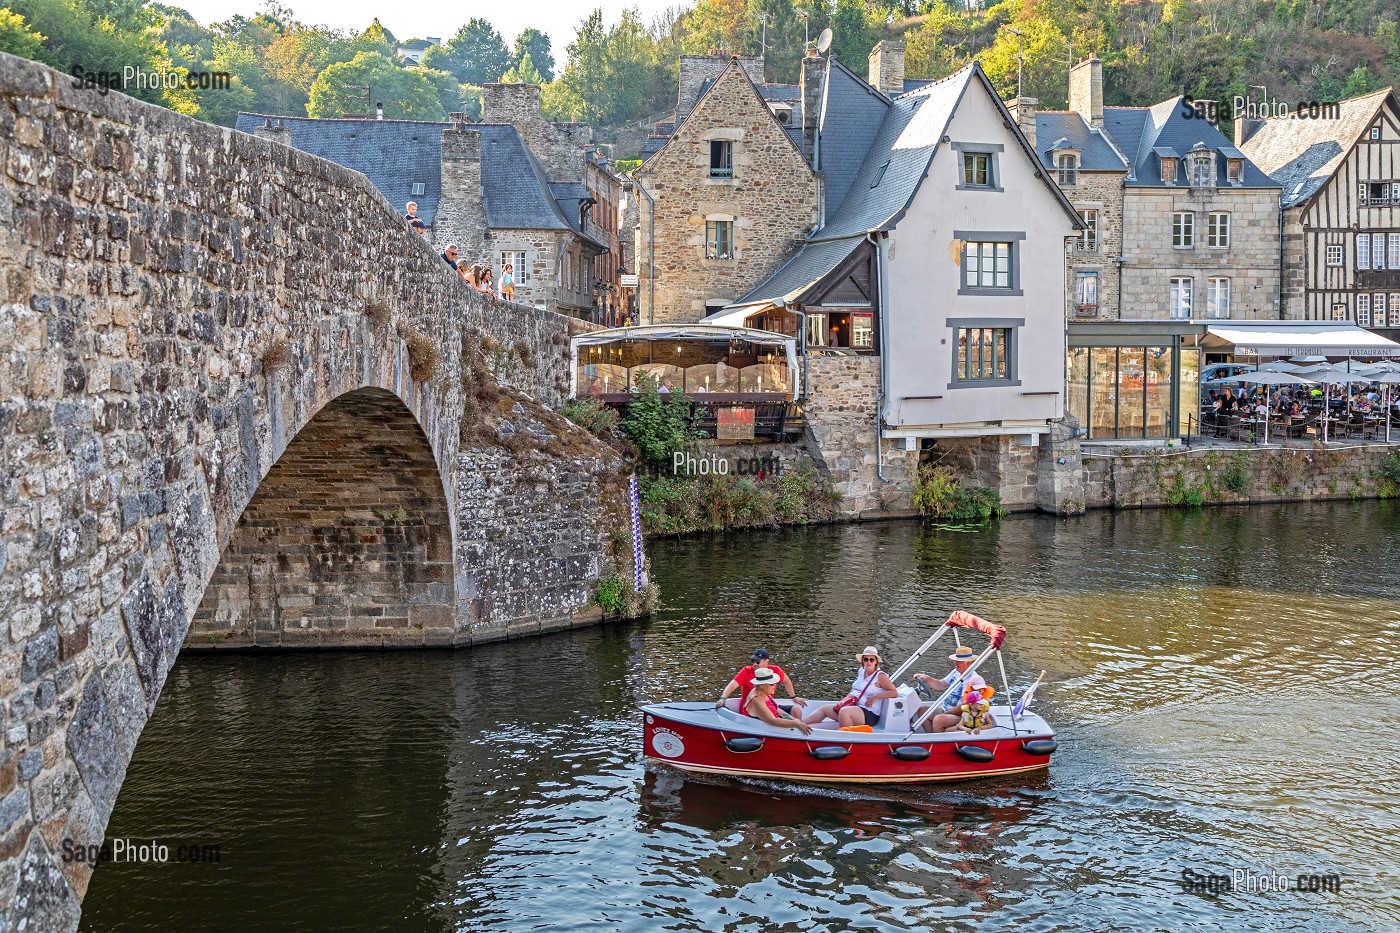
(1040, 746)
(830, 752)
(743, 743)
(975, 753)
(910, 752)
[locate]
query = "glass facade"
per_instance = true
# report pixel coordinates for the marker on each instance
(1134, 392)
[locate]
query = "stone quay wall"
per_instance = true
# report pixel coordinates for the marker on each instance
(179, 303)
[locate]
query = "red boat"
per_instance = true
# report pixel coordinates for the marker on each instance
(704, 738)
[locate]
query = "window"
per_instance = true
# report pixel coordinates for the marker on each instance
(1234, 170)
(1378, 307)
(1363, 251)
(1183, 229)
(1363, 311)
(863, 331)
(1202, 169)
(418, 188)
(1181, 298)
(987, 265)
(1086, 292)
(1218, 297)
(1379, 193)
(816, 329)
(1378, 251)
(879, 174)
(1375, 132)
(1218, 230)
(520, 267)
(1393, 252)
(719, 239)
(977, 170)
(1395, 309)
(1089, 236)
(1334, 255)
(721, 158)
(983, 355)
(1339, 311)
(1067, 164)
(1169, 171)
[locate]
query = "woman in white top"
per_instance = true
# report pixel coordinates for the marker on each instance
(865, 703)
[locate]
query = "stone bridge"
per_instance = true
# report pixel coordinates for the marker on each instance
(241, 404)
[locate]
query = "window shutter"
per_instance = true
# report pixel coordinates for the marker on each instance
(1363, 251)
(1361, 194)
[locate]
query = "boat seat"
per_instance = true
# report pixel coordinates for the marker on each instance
(899, 711)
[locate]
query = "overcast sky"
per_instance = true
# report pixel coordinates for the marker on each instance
(408, 19)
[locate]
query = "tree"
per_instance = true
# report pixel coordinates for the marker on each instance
(370, 78)
(475, 55)
(17, 38)
(524, 72)
(376, 38)
(536, 45)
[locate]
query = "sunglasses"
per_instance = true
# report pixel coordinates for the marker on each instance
(870, 659)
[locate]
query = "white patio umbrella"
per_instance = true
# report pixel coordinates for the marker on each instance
(1387, 378)
(1308, 358)
(1334, 376)
(1280, 366)
(1264, 377)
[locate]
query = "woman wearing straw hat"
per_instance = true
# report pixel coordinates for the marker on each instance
(865, 703)
(962, 659)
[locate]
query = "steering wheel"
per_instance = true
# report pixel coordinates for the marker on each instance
(923, 690)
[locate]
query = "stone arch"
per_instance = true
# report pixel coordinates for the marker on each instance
(347, 540)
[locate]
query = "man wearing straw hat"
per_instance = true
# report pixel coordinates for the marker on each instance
(962, 660)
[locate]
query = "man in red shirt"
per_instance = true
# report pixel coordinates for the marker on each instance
(743, 681)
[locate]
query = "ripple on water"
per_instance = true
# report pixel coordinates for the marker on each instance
(1222, 682)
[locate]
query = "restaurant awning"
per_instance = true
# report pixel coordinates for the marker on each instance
(1297, 338)
(700, 333)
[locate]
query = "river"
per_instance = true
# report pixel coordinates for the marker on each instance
(1224, 683)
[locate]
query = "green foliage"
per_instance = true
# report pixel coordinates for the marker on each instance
(941, 496)
(536, 45)
(681, 504)
(475, 55)
(17, 38)
(610, 594)
(407, 94)
(627, 165)
(1179, 492)
(659, 424)
(1388, 483)
(1237, 473)
(591, 415)
(523, 72)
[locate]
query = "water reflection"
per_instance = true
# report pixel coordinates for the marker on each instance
(1207, 672)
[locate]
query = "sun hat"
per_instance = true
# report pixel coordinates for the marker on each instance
(765, 676)
(869, 649)
(964, 653)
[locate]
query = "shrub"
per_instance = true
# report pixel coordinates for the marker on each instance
(424, 356)
(680, 504)
(591, 415)
(610, 594)
(1237, 473)
(378, 312)
(658, 424)
(939, 495)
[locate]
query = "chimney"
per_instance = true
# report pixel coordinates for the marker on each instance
(509, 103)
(1086, 90)
(887, 67)
(379, 111)
(1023, 109)
(461, 213)
(813, 74)
(278, 132)
(695, 70)
(1245, 127)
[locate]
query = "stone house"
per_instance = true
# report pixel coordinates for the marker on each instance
(728, 195)
(518, 190)
(1340, 177)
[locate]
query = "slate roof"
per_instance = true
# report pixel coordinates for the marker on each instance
(782, 92)
(1171, 129)
(392, 154)
(851, 114)
(1301, 155)
(812, 261)
(1056, 128)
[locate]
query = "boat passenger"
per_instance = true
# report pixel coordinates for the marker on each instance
(761, 704)
(865, 702)
(950, 717)
(743, 681)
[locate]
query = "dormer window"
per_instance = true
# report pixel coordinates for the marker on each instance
(1234, 171)
(1067, 168)
(1200, 167)
(1168, 171)
(721, 158)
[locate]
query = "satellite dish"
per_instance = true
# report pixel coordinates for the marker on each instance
(824, 41)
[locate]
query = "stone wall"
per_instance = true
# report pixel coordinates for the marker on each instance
(558, 146)
(695, 70)
(178, 302)
(1251, 261)
(1126, 478)
(843, 391)
(1103, 192)
(771, 200)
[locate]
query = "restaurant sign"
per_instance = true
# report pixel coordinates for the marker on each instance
(627, 280)
(734, 424)
(1279, 350)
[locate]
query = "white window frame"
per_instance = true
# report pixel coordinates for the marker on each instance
(1363, 251)
(1067, 169)
(1378, 306)
(519, 260)
(1394, 309)
(987, 265)
(1218, 297)
(1179, 306)
(1363, 310)
(1218, 230)
(1088, 241)
(1201, 170)
(1336, 254)
(816, 328)
(1375, 132)
(726, 147)
(1378, 251)
(1234, 171)
(1183, 230)
(1339, 311)
(1392, 260)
